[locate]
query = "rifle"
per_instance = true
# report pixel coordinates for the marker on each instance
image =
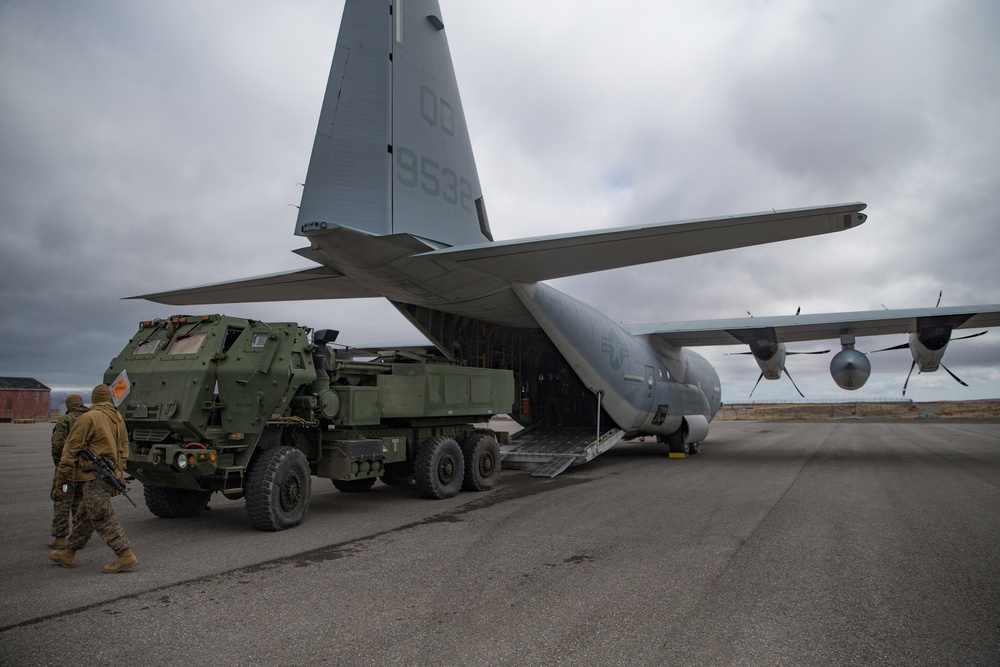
(104, 468)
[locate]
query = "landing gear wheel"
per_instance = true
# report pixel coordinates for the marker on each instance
(278, 489)
(677, 444)
(695, 448)
(439, 469)
(174, 503)
(482, 462)
(354, 485)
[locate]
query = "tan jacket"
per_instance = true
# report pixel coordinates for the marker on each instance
(101, 430)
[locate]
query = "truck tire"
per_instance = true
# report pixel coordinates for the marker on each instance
(171, 503)
(439, 469)
(482, 462)
(278, 488)
(354, 485)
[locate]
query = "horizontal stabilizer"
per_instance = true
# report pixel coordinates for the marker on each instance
(303, 284)
(549, 257)
(820, 326)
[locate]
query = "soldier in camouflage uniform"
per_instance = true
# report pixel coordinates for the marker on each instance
(102, 431)
(67, 503)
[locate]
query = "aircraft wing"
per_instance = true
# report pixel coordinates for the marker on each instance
(823, 326)
(549, 257)
(304, 284)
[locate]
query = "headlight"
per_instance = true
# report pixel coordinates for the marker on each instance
(181, 460)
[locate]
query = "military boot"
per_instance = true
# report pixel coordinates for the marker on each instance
(65, 557)
(125, 560)
(58, 543)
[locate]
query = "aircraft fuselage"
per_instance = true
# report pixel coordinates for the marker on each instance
(645, 386)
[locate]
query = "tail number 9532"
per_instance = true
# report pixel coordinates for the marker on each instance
(414, 171)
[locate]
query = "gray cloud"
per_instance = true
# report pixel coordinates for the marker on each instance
(150, 146)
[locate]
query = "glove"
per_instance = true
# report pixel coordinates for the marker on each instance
(59, 489)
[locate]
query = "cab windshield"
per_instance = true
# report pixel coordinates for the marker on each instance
(188, 344)
(146, 347)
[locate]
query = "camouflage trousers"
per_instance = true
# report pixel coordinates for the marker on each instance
(95, 513)
(64, 504)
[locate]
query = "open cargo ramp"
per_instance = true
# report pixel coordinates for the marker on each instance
(548, 451)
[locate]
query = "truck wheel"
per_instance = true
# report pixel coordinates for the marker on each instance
(278, 489)
(171, 503)
(354, 485)
(439, 468)
(482, 462)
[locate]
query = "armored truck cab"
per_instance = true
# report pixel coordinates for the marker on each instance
(253, 410)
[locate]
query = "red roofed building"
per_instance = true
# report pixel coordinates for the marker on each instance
(23, 398)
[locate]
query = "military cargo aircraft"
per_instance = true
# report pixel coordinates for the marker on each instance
(392, 207)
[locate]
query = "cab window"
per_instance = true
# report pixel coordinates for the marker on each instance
(188, 344)
(146, 347)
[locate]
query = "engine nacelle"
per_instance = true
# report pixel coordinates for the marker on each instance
(927, 348)
(850, 369)
(770, 357)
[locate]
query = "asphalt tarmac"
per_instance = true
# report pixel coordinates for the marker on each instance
(780, 544)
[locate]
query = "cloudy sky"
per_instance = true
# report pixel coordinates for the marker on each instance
(151, 145)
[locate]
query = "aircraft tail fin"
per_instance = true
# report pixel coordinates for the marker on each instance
(392, 153)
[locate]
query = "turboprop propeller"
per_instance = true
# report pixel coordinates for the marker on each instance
(927, 347)
(770, 355)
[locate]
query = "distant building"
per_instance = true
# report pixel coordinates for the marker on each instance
(23, 398)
